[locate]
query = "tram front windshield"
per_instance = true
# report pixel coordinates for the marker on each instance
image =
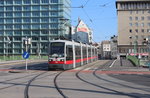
(57, 49)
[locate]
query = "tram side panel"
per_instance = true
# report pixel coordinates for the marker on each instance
(78, 55)
(84, 55)
(69, 57)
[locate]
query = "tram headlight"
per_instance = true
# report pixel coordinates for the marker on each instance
(50, 59)
(61, 59)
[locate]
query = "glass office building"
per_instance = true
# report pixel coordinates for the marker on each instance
(40, 20)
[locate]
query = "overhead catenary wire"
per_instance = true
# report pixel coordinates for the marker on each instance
(86, 3)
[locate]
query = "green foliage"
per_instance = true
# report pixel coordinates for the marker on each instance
(133, 59)
(17, 57)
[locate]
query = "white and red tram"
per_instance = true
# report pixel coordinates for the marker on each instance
(64, 54)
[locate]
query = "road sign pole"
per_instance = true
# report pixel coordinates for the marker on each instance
(26, 42)
(26, 65)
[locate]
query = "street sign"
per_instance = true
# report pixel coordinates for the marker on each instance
(25, 55)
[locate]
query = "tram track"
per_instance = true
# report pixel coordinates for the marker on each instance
(30, 83)
(9, 81)
(56, 85)
(26, 91)
(100, 86)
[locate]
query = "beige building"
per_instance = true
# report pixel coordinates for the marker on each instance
(133, 26)
(106, 49)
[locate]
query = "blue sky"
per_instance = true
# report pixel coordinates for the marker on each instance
(99, 15)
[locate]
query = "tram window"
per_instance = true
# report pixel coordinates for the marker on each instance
(78, 52)
(69, 52)
(84, 52)
(89, 52)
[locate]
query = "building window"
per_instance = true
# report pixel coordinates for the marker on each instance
(44, 26)
(45, 20)
(1, 15)
(17, 8)
(44, 38)
(148, 30)
(26, 32)
(54, 7)
(18, 1)
(35, 1)
(9, 8)
(54, 19)
(45, 7)
(136, 24)
(17, 32)
(26, 14)
(148, 18)
(18, 14)
(142, 30)
(142, 24)
(36, 14)
(17, 51)
(130, 18)
(1, 21)
(8, 26)
(54, 13)
(26, 26)
(17, 20)
(17, 26)
(27, 20)
(54, 1)
(26, 1)
(26, 8)
(136, 30)
(142, 18)
(130, 30)
(35, 20)
(1, 27)
(45, 1)
(45, 13)
(148, 24)
(130, 24)
(9, 20)
(136, 18)
(136, 37)
(7, 2)
(35, 26)
(35, 8)
(2, 2)
(9, 14)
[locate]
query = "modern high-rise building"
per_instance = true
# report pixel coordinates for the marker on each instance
(133, 26)
(40, 20)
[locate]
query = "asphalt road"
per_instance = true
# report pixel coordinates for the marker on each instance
(100, 79)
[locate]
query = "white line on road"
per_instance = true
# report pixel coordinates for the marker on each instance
(113, 63)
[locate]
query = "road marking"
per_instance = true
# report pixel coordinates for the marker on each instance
(113, 63)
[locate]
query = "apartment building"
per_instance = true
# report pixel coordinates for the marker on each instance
(133, 26)
(40, 20)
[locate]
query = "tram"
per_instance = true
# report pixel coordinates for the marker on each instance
(64, 54)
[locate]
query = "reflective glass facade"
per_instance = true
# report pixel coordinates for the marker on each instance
(36, 19)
